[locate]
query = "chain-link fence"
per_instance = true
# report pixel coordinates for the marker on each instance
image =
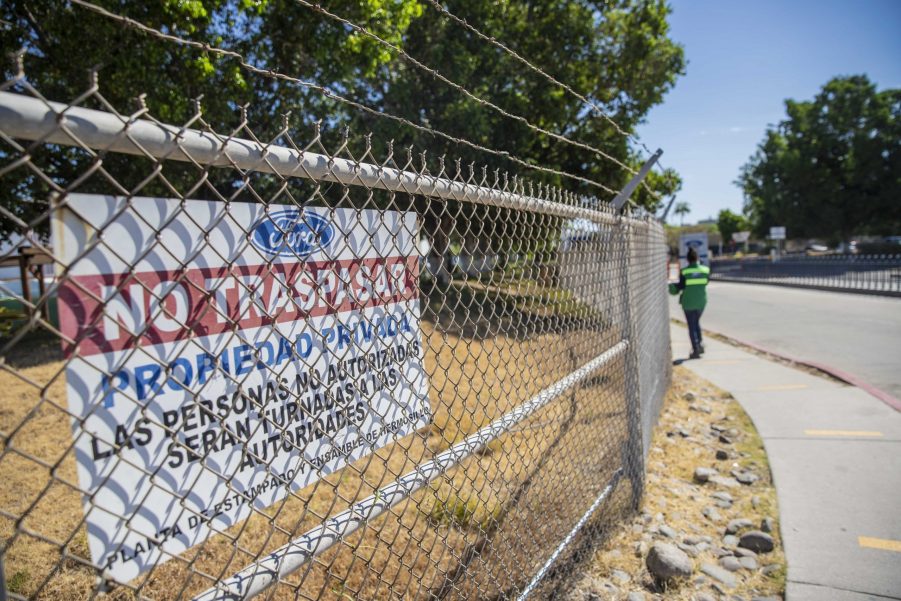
(234, 366)
(871, 274)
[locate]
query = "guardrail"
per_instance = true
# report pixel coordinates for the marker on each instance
(868, 274)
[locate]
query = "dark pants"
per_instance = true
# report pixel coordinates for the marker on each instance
(694, 328)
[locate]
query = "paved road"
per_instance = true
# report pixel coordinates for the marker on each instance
(853, 332)
(835, 455)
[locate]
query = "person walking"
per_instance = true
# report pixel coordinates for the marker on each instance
(693, 286)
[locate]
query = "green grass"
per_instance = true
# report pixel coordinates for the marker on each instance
(458, 512)
(18, 582)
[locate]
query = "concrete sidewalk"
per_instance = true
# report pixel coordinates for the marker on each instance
(835, 454)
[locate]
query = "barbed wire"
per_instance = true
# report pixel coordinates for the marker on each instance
(506, 49)
(329, 93)
(581, 97)
(478, 99)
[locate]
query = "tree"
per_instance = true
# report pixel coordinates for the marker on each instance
(728, 223)
(664, 183)
(682, 209)
(616, 53)
(63, 42)
(832, 168)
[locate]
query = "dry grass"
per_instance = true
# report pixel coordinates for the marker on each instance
(674, 499)
(475, 376)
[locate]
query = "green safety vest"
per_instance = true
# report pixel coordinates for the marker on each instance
(693, 285)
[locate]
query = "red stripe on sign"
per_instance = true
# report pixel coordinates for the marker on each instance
(110, 312)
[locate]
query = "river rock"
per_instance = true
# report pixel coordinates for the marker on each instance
(704, 474)
(723, 496)
(666, 561)
(719, 574)
(691, 550)
(711, 514)
(730, 563)
(746, 477)
(667, 531)
(725, 481)
(691, 540)
(736, 525)
(757, 541)
(620, 576)
(749, 563)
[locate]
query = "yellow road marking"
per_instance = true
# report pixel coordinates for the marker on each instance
(842, 433)
(879, 543)
(775, 387)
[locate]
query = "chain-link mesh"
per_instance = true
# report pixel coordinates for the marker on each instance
(234, 366)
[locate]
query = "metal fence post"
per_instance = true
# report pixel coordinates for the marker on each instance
(620, 201)
(633, 454)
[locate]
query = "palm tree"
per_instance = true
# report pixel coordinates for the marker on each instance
(682, 209)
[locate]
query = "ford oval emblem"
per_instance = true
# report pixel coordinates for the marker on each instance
(292, 233)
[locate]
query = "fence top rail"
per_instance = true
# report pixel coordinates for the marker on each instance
(29, 118)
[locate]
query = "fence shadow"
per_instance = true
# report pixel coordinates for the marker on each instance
(470, 309)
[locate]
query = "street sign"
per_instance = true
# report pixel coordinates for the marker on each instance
(777, 233)
(741, 236)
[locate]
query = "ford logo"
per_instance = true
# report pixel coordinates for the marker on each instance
(292, 233)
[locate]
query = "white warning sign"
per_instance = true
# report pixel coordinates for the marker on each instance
(221, 356)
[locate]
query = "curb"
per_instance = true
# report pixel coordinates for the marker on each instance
(840, 374)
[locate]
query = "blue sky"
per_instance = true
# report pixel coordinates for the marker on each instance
(744, 59)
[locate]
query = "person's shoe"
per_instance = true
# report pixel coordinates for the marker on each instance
(694, 355)
(701, 349)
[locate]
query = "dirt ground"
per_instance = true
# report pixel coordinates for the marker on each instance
(696, 421)
(459, 537)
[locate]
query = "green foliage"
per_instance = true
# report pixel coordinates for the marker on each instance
(8, 318)
(616, 53)
(463, 513)
(664, 184)
(728, 223)
(832, 168)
